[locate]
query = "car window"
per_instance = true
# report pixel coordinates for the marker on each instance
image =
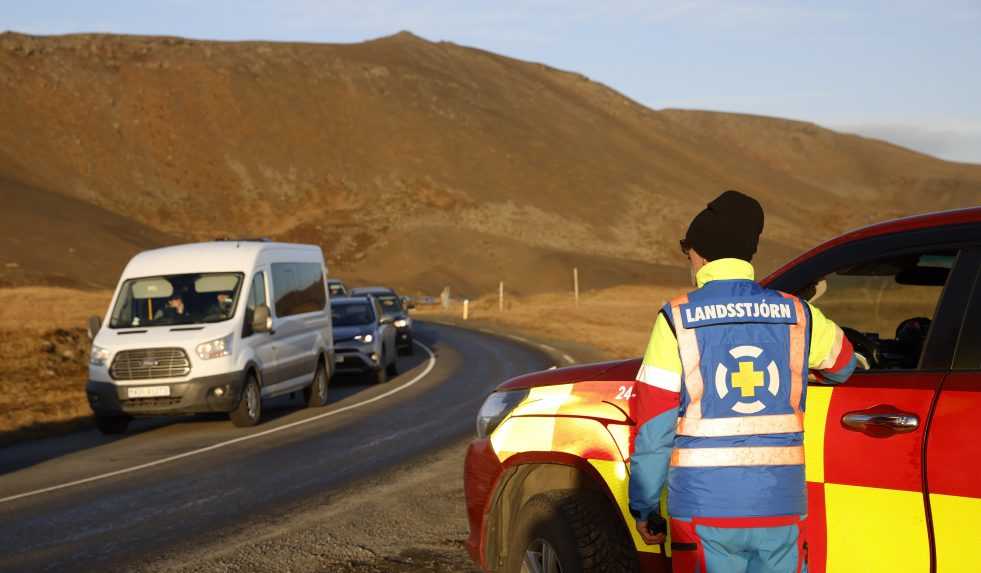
(257, 296)
(887, 305)
(968, 355)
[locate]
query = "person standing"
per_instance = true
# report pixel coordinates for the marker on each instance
(719, 405)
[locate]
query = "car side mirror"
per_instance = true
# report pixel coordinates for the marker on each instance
(95, 324)
(386, 320)
(261, 319)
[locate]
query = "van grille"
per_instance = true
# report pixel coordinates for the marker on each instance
(147, 363)
(151, 402)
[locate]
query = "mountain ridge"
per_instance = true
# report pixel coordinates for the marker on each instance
(496, 164)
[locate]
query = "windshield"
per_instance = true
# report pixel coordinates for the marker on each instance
(351, 314)
(195, 298)
(391, 305)
(336, 289)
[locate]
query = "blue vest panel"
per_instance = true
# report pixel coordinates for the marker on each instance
(743, 334)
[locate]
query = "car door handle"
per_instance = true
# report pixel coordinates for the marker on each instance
(881, 421)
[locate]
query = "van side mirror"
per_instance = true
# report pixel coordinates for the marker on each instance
(95, 324)
(261, 319)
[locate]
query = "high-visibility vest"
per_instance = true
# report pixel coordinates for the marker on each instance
(739, 446)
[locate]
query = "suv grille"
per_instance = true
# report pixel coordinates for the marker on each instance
(147, 363)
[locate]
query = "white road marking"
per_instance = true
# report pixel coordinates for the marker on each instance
(518, 338)
(568, 359)
(548, 348)
(431, 363)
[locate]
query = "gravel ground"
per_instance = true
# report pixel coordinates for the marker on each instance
(412, 518)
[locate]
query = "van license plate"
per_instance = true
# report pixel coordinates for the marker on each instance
(149, 392)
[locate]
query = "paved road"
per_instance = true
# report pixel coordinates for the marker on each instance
(129, 517)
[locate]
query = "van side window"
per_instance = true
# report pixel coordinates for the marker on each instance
(886, 306)
(298, 288)
(257, 296)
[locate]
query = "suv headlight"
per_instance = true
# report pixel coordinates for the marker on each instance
(99, 356)
(496, 407)
(403, 322)
(215, 348)
(365, 338)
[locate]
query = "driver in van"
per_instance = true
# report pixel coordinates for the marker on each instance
(175, 309)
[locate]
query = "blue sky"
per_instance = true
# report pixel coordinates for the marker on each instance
(905, 71)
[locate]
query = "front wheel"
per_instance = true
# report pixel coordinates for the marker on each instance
(315, 395)
(249, 409)
(570, 531)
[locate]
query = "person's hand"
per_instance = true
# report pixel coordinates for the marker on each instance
(653, 531)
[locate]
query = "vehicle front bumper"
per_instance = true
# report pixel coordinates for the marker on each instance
(481, 471)
(190, 397)
(354, 357)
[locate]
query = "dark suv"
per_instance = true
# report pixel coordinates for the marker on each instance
(392, 307)
(364, 339)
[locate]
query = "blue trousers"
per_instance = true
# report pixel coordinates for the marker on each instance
(739, 545)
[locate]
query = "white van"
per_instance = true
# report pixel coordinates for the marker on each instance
(212, 327)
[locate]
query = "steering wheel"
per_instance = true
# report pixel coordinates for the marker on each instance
(864, 345)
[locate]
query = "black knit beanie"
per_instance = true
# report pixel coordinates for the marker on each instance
(729, 227)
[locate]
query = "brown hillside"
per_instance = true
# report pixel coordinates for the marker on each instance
(422, 164)
(47, 238)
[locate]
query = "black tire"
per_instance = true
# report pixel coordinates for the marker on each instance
(249, 409)
(393, 368)
(315, 395)
(378, 376)
(408, 350)
(582, 529)
(112, 425)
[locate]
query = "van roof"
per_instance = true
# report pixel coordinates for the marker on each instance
(215, 256)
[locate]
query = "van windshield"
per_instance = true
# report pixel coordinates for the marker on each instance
(194, 298)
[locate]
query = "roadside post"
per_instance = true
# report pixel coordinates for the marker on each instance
(445, 298)
(575, 283)
(466, 309)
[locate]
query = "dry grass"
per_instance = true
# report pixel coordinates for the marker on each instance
(615, 321)
(43, 358)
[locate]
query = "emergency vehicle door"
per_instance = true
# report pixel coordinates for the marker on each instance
(864, 440)
(953, 472)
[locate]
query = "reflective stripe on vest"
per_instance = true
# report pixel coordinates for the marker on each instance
(750, 456)
(694, 424)
(690, 360)
(740, 425)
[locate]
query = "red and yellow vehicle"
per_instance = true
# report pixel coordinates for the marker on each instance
(893, 455)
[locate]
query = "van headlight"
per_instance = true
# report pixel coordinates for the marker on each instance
(215, 348)
(99, 356)
(496, 407)
(365, 338)
(403, 322)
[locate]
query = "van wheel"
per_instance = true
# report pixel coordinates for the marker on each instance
(378, 376)
(249, 409)
(315, 395)
(570, 531)
(111, 425)
(393, 368)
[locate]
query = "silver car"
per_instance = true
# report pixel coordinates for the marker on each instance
(364, 339)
